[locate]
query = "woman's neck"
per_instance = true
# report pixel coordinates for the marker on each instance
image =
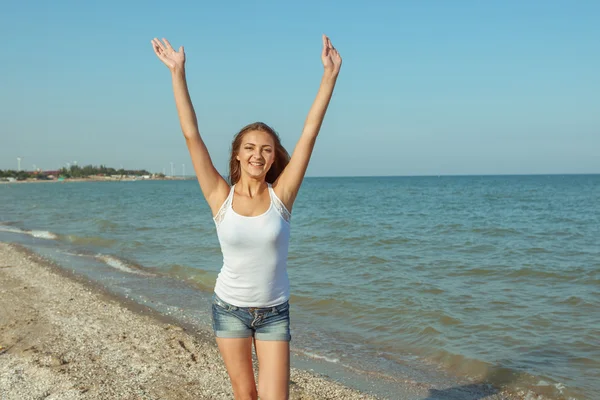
(250, 187)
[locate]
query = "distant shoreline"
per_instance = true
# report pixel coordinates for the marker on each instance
(69, 180)
(179, 178)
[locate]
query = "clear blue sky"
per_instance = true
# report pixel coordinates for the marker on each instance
(427, 87)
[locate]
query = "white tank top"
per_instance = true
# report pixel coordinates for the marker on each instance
(255, 251)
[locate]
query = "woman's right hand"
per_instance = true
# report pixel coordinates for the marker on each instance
(172, 59)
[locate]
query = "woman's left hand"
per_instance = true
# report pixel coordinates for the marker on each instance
(332, 61)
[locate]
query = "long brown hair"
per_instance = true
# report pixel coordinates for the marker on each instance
(281, 155)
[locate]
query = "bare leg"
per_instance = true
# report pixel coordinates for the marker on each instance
(237, 356)
(273, 369)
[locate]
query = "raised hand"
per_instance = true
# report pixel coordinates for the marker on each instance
(171, 58)
(332, 61)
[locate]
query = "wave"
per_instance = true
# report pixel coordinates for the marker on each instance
(122, 264)
(106, 225)
(316, 356)
(536, 250)
(392, 241)
(8, 223)
(503, 375)
(448, 228)
(496, 232)
(43, 235)
(478, 248)
(74, 239)
(89, 240)
(33, 233)
(95, 241)
(528, 272)
(202, 279)
(376, 260)
(329, 306)
(477, 271)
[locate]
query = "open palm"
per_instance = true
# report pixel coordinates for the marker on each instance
(332, 61)
(165, 52)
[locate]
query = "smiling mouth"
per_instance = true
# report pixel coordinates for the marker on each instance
(256, 164)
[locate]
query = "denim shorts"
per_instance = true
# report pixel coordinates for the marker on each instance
(270, 323)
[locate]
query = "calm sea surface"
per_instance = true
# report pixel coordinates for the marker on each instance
(474, 279)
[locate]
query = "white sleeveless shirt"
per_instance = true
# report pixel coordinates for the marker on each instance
(255, 251)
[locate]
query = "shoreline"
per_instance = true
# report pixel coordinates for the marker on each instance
(192, 177)
(63, 336)
(73, 180)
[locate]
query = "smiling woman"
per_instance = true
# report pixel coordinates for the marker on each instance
(260, 147)
(252, 217)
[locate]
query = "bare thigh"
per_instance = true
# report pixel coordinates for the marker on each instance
(273, 369)
(237, 356)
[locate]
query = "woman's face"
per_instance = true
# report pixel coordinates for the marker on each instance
(256, 153)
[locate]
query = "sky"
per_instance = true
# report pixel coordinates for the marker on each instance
(426, 87)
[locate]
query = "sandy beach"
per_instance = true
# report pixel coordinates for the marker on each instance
(62, 337)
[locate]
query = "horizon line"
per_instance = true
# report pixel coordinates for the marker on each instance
(467, 174)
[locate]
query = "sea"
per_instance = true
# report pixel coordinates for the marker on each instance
(483, 282)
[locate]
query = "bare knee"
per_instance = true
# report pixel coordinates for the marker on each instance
(243, 391)
(272, 393)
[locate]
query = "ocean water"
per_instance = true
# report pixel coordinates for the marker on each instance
(468, 279)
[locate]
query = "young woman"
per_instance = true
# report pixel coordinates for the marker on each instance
(252, 216)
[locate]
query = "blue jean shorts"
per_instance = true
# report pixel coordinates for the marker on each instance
(270, 323)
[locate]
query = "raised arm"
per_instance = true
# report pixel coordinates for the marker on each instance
(214, 187)
(288, 183)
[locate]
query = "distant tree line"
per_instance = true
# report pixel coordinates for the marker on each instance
(19, 175)
(74, 171)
